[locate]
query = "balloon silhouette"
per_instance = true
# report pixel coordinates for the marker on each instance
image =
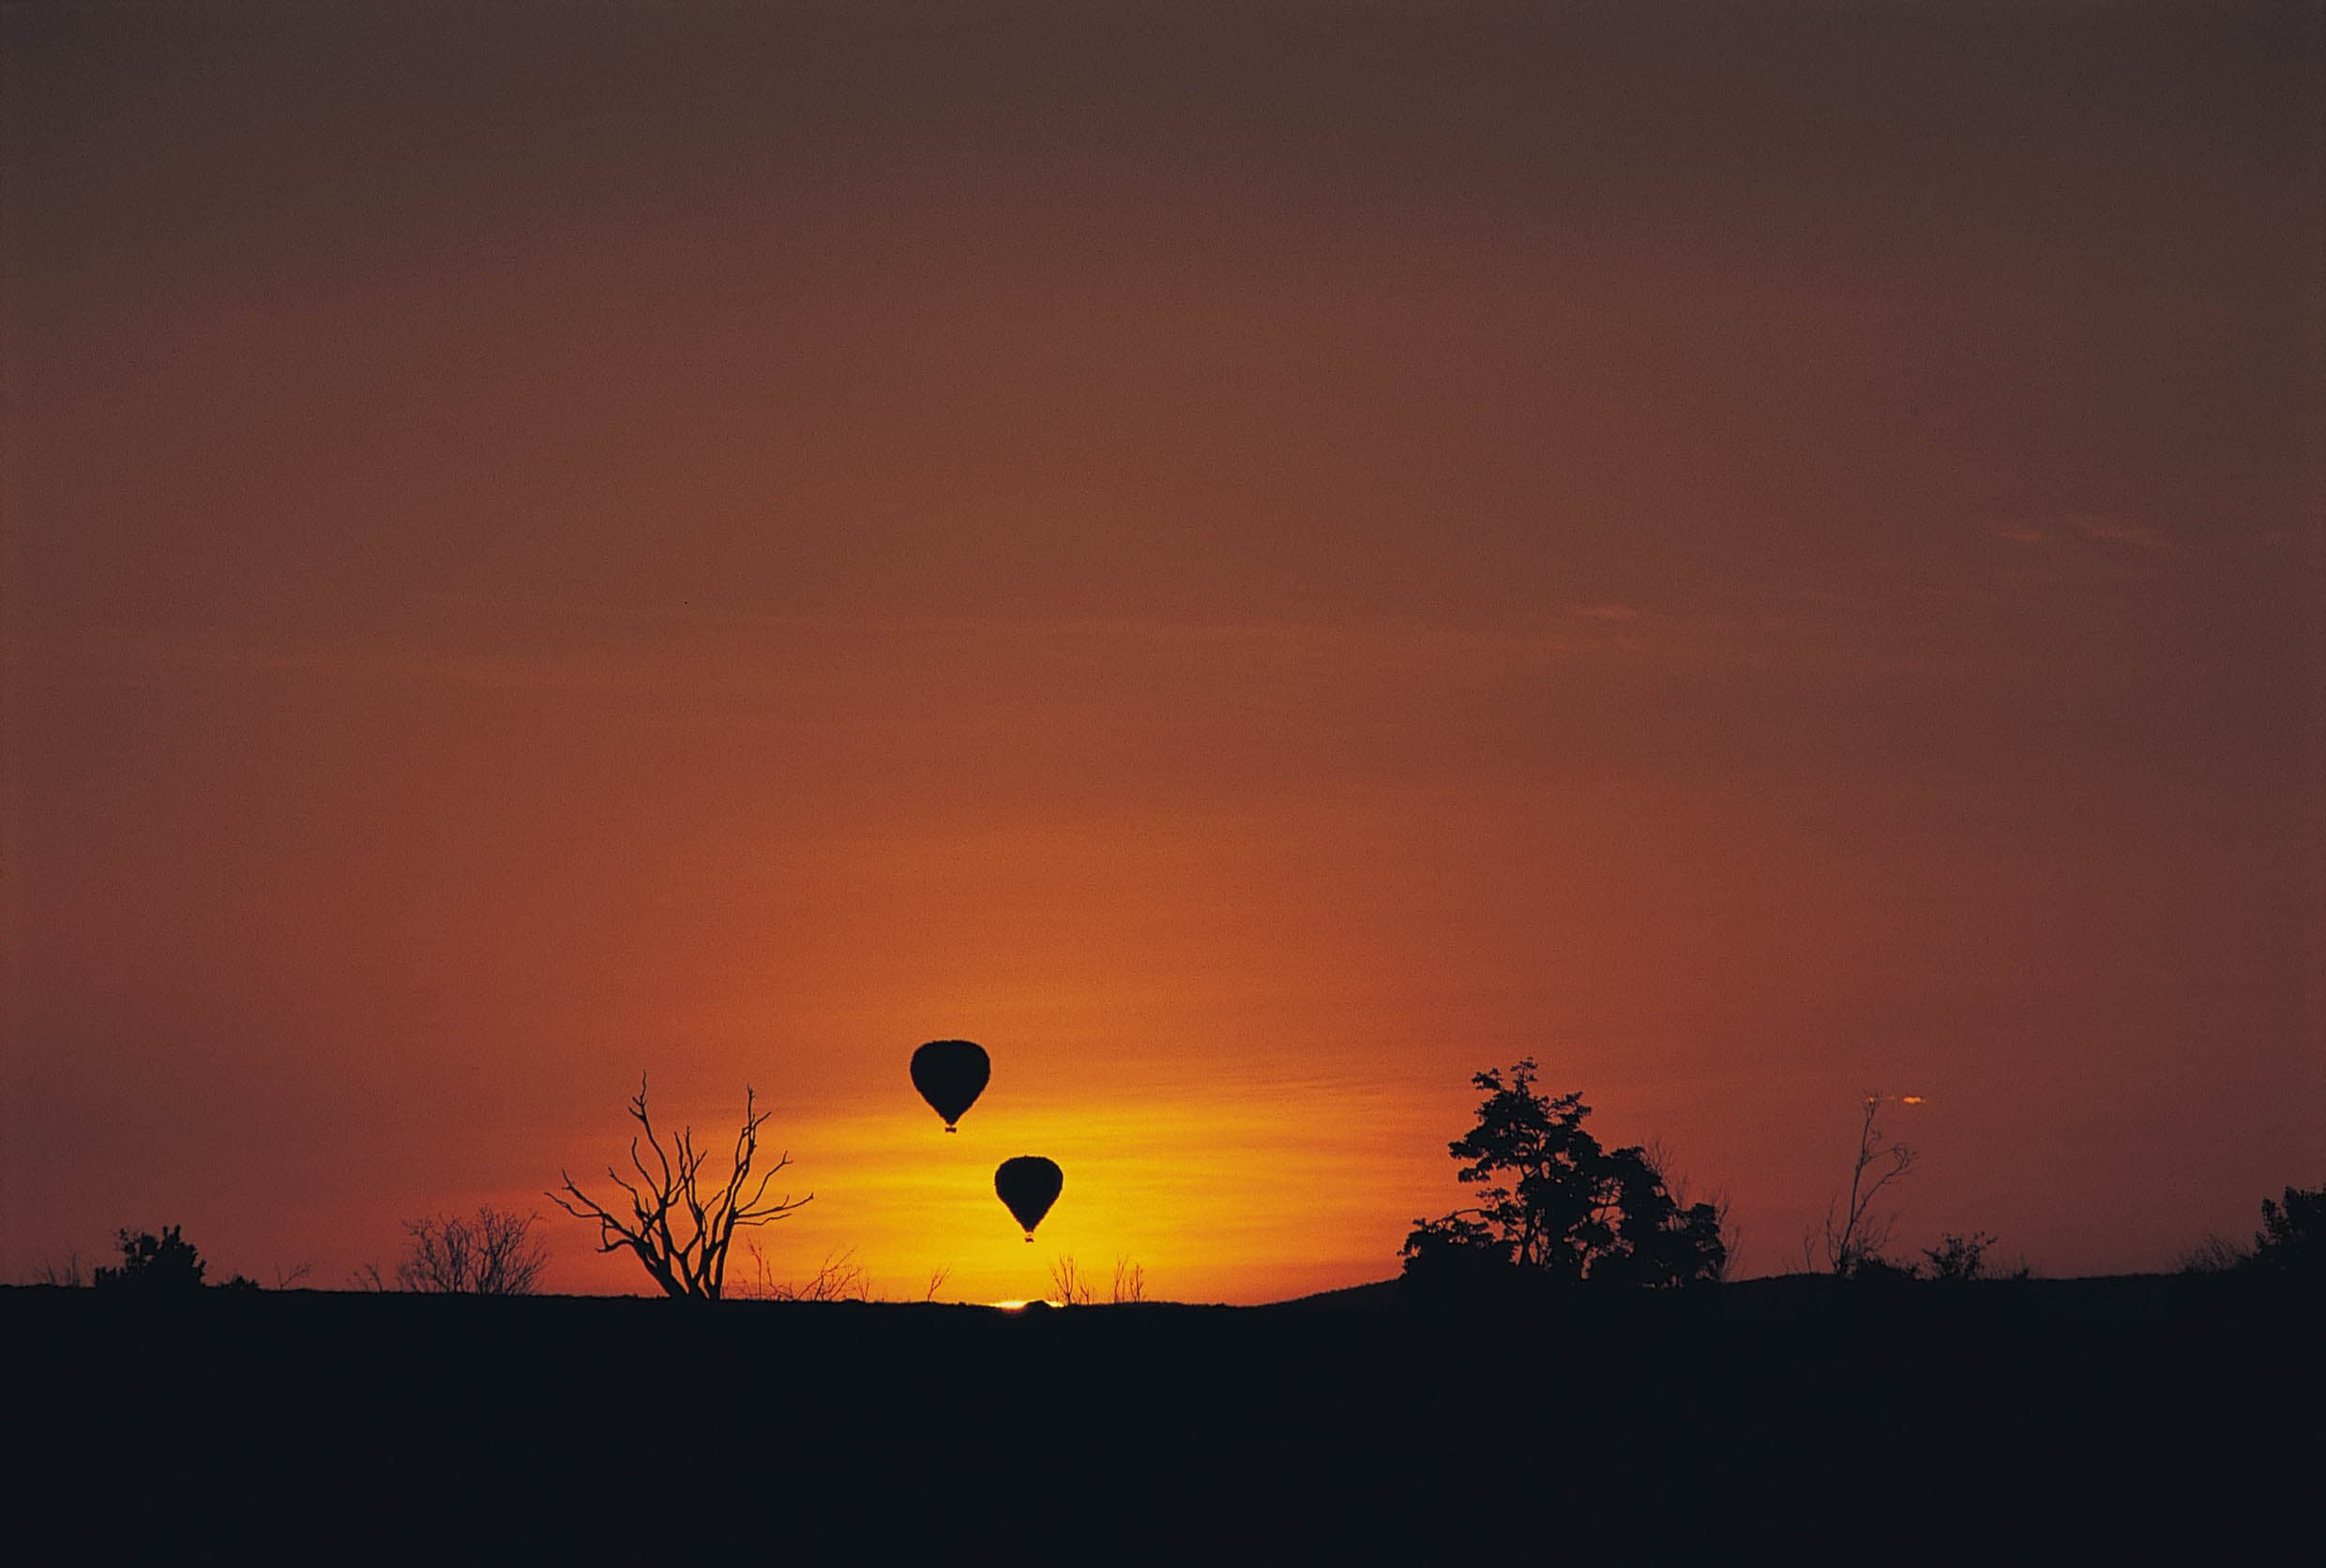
(1029, 1184)
(950, 1075)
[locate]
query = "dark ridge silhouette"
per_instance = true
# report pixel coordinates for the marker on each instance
(2036, 1419)
(1379, 1295)
(950, 1075)
(1520, 1410)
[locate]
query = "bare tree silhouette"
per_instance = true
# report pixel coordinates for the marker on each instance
(839, 1278)
(68, 1274)
(494, 1254)
(1858, 1237)
(680, 1236)
(1072, 1281)
(1075, 1285)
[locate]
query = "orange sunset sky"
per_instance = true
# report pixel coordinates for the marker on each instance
(1255, 558)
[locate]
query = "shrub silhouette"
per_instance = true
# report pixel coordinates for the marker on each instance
(166, 1263)
(2216, 1254)
(1558, 1210)
(2292, 1238)
(1875, 1271)
(1960, 1256)
(493, 1254)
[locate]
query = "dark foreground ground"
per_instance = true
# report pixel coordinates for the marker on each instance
(2076, 1420)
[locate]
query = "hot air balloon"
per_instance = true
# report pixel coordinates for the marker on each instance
(1029, 1184)
(950, 1075)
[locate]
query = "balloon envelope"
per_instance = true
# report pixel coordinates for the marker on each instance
(1029, 1184)
(950, 1075)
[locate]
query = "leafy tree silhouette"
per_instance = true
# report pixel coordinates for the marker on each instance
(2292, 1238)
(1557, 1209)
(166, 1263)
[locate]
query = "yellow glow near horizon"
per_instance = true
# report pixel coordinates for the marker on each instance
(1249, 1192)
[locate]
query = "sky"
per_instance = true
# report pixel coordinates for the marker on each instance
(1255, 558)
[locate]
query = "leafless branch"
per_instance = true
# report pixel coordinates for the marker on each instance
(69, 1274)
(1852, 1234)
(692, 1263)
(493, 1254)
(839, 1278)
(2215, 1254)
(1073, 1286)
(1682, 1190)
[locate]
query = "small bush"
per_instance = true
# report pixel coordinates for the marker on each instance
(1958, 1256)
(166, 1263)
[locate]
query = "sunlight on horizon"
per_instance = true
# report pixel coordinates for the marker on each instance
(1240, 1193)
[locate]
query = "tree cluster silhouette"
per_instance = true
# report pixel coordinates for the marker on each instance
(1557, 1209)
